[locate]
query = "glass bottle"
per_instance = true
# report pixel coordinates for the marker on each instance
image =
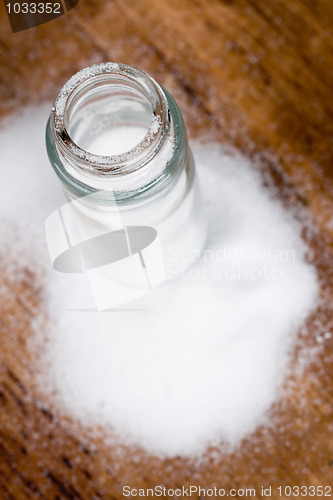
(117, 141)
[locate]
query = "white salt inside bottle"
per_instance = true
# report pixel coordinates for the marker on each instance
(116, 134)
(116, 140)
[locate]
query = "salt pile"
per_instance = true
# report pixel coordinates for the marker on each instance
(201, 359)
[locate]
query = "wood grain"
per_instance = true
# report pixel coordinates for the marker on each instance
(254, 74)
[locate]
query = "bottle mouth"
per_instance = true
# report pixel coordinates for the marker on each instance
(103, 97)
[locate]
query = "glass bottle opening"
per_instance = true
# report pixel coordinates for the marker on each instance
(110, 119)
(114, 129)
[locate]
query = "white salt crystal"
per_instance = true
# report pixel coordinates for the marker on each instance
(117, 140)
(198, 361)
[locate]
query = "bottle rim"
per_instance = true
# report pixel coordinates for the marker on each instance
(107, 74)
(62, 148)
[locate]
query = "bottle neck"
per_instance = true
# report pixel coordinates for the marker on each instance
(114, 129)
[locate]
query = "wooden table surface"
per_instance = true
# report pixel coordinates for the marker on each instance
(257, 74)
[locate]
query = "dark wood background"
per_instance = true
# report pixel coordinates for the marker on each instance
(256, 74)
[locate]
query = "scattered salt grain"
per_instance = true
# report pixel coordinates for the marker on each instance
(198, 361)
